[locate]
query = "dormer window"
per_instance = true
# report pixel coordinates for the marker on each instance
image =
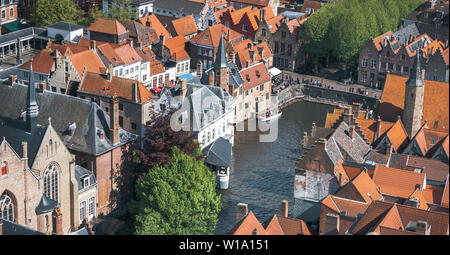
(85, 181)
(258, 74)
(100, 134)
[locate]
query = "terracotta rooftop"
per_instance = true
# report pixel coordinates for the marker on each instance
(99, 85)
(395, 216)
(88, 59)
(362, 188)
(435, 102)
(43, 62)
(185, 26)
(397, 182)
(107, 26)
(254, 76)
(397, 135)
(153, 22)
(350, 207)
(176, 46)
(211, 36)
(247, 225)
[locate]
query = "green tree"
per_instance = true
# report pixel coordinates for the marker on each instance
(177, 198)
(47, 12)
(122, 10)
(92, 15)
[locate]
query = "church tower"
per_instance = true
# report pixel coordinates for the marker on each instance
(221, 68)
(414, 91)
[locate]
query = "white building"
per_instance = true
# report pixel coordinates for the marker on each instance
(142, 7)
(67, 31)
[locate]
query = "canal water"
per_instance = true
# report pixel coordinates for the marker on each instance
(262, 174)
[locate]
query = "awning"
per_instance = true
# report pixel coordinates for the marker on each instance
(14, 26)
(274, 71)
(158, 90)
(187, 76)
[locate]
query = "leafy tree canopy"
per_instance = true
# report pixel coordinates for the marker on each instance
(122, 11)
(47, 12)
(158, 142)
(177, 198)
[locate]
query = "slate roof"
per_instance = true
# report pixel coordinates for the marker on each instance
(218, 153)
(12, 228)
(402, 35)
(35, 31)
(80, 173)
(177, 5)
(62, 25)
(234, 77)
(15, 132)
(45, 205)
(141, 32)
(219, 102)
(65, 110)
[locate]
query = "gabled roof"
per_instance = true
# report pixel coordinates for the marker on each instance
(177, 48)
(88, 117)
(211, 36)
(254, 76)
(185, 26)
(435, 101)
(397, 182)
(119, 55)
(362, 188)
(242, 50)
(247, 225)
(122, 87)
(62, 25)
(87, 59)
(219, 153)
(397, 135)
(153, 22)
(350, 207)
(43, 62)
(107, 26)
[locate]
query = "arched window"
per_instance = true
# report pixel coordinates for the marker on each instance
(6, 208)
(51, 182)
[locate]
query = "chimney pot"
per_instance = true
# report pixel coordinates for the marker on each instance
(114, 120)
(284, 208)
(241, 212)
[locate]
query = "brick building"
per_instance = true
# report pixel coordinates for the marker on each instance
(108, 30)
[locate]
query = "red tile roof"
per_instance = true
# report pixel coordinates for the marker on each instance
(185, 26)
(43, 62)
(397, 135)
(88, 59)
(153, 22)
(98, 84)
(177, 46)
(247, 225)
(397, 182)
(340, 205)
(107, 26)
(211, 36)
(435, 101)
(254, 76)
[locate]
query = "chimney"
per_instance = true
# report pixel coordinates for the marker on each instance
(134, 91)
(377, 133)
(284, 208)
(356, 107)
(12, 79)
(351, 131)
(148, 23)
(109, 72)
(57, 221)
(262, 14)
(241, 211)
(183, 85)
(199, 69)
(305, 139)
(42, 86)
(331, 224)
(93, 45)
(114, 120)
(162, 40)
(347, 116)
(211, 78)
(313, 129)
